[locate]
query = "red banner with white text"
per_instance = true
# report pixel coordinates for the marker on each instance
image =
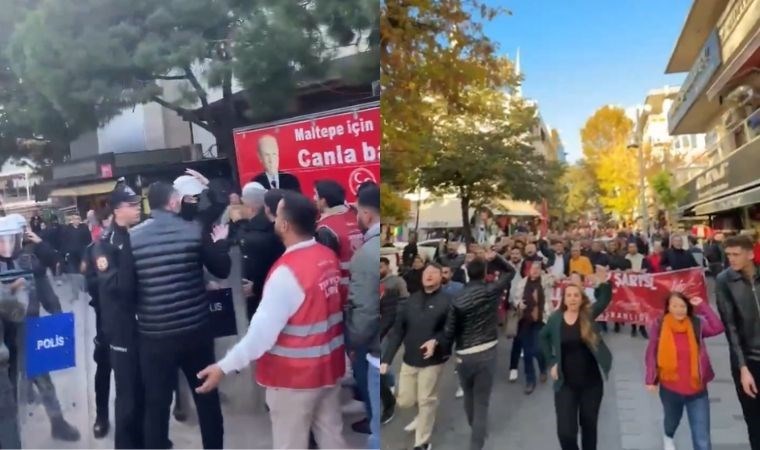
(640, 297)
(344, 147)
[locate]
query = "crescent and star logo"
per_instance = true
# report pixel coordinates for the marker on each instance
(359, 176)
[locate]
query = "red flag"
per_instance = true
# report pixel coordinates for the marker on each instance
(544, 218)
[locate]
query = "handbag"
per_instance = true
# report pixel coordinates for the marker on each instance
(513, 319)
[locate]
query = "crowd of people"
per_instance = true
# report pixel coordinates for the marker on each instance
(453, 306)
(309, 277)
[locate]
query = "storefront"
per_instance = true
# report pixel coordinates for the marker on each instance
(86, 184)
(728, 191)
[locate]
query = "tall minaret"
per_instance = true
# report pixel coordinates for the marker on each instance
(518, 91)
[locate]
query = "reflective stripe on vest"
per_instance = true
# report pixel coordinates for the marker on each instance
(315, 351)
(315, 328)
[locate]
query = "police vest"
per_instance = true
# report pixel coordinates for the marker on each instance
(309, 352)
(350, 238)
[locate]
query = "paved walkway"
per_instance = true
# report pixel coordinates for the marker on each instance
(630, 418)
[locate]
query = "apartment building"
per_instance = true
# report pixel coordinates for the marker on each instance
(719, 47)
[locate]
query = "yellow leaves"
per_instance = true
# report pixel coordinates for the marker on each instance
(607, 128)
(617, 174)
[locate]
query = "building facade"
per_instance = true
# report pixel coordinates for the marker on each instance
(719, 47)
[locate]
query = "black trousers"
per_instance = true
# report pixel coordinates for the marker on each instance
(102, 357)
(130, 398)
(574, 406)
(476, 375)
(750, 406)
(386, 393)
(159, 361)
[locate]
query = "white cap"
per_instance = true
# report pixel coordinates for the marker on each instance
(187, 185)
(10, 225)
(253, 192)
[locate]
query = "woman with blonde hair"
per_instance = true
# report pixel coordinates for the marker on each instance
(677, 360)
(575, 351)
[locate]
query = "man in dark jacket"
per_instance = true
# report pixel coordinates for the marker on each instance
(597, 256)
(738, 294)
(173, 311)
(420, 327)
(75, 237)
(676, 258)
(472, 323)
(259, 245)
(392, 293)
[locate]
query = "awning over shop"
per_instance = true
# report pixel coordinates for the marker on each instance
(515, 208)
(101, 187)
(739, 200)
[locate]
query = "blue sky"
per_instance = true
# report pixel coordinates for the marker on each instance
(579, 55)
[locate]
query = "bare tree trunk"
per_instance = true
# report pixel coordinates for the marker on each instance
(466, 229)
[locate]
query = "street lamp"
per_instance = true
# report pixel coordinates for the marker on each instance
(634, 141)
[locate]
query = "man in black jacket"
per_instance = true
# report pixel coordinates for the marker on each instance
(392, 292)
(259, 244)
(419, 326)
(75, 237)
(173, 311)
(472, 323)
(738, 294)
(676, 258)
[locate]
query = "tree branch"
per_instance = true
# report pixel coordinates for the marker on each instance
(197, 85)
(186, 114)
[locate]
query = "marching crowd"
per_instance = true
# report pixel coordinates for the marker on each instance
(452, 306)
(311, 284)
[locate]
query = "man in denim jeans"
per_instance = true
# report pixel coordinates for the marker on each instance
(363, 317)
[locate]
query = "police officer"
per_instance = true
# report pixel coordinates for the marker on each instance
(102, 353)
(117, 303)
(13, 302)
(35, 256)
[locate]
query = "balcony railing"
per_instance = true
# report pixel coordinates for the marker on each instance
(737, 137)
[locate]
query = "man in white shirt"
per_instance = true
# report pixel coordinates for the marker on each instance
(296, 336)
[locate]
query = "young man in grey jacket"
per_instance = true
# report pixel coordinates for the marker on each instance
(363, 317)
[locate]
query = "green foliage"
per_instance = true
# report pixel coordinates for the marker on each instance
(90, 59)
(667, 195)
(486, 158)
(580, 191)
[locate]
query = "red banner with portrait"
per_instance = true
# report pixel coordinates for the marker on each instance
(640, 298)
(343, 146)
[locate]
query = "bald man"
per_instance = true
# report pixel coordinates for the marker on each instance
(272, 178)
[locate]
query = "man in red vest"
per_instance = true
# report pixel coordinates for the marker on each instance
(337, 227)
(296, 335)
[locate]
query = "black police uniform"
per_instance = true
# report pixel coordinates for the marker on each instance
(117, 302)
(101, 354)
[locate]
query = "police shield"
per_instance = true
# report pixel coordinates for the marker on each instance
(49, 356)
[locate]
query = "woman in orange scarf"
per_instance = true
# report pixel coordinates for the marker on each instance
(677, 360)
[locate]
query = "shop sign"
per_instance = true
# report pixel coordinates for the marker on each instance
(741, 15)
(706, 65)
(734, 173)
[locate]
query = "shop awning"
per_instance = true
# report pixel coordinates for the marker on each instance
(739, 200)
(82, 190)
(515, 208)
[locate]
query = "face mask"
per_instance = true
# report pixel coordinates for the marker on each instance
(188, 211)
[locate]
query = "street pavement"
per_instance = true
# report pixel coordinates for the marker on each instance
(246, 422)
(630, 417)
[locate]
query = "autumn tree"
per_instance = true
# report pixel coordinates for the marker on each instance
(432, 51)
(667, 194)
(91, 59)
(484, 159)
(580, 191)
(615, 167)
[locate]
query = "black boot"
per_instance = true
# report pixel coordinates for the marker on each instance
(634, 331)
(63, 431)
(101, 427)
(617, 327)
(644, 333)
